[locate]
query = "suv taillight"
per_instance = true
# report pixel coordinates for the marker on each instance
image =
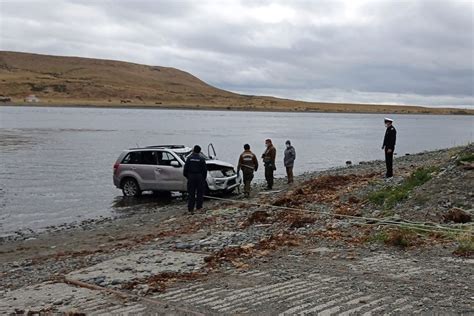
(116, 165)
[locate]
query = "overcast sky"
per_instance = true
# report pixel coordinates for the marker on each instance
(406, 52)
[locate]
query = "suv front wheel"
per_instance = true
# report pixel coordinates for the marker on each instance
(130, 187)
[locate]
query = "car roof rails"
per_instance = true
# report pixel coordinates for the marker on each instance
(160, 146)
(167, 146)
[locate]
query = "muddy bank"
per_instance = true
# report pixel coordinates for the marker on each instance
(344, 228)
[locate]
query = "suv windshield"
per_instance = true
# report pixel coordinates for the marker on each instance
(185, 155)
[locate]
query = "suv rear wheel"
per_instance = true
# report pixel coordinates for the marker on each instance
(130, 187)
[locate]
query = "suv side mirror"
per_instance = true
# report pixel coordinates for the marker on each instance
(175, 164)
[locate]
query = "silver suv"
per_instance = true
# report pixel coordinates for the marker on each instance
(160, 169)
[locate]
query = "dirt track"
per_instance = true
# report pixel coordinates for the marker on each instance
(248, 259)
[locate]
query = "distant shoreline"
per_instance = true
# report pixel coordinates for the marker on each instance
(416, 111)
(61, 81)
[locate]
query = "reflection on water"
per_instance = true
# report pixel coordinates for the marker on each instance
(56, 163)
(12, 140)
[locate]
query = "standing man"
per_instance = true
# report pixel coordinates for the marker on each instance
(289, 160)
(389, 146)
(248, 163)
(269, 161)
(195, 171)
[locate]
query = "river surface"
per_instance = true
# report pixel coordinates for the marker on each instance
(56, 163)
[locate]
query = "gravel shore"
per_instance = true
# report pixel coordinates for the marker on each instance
(337, 241)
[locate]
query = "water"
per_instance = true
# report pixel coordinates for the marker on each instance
(56, 163)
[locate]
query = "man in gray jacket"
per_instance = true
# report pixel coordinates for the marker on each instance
(289, 160)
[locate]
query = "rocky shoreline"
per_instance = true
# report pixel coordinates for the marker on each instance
(343, 228)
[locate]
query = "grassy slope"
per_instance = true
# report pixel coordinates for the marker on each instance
(84, 81)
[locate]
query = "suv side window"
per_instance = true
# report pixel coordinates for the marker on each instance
(141, 158)
(165, 158)
(149, 157)
(133, 158)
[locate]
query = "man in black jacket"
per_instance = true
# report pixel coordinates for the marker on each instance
(195, 170)
(269, 161)
(389, 146)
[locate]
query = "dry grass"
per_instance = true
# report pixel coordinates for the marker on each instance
(397, 237)
(465, 246)
(69, 81)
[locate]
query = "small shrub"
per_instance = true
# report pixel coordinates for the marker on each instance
(37, 88)
(397, 237)
(401, 238)
(420, 176)
(59, 87)
(469, 157)
(388, 213)
(379, 237)
(396, 196)
(465, 246)
(379, 197)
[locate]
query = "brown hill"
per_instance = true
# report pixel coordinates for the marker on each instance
(74, 78)
(66, 81)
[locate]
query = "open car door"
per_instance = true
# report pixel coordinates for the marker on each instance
(211, 152)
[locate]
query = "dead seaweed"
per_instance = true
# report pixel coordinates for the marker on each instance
(457, 215)
(259, 217)
(324, 189)
(295, 219)
(236, 255)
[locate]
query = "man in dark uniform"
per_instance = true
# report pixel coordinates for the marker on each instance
(195, 171)
(389, 146)
(248, 164)
(269, 161)
(289, 160)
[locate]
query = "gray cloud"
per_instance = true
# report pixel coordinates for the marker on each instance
(415, 52)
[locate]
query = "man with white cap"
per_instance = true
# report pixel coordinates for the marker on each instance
(389, 145)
